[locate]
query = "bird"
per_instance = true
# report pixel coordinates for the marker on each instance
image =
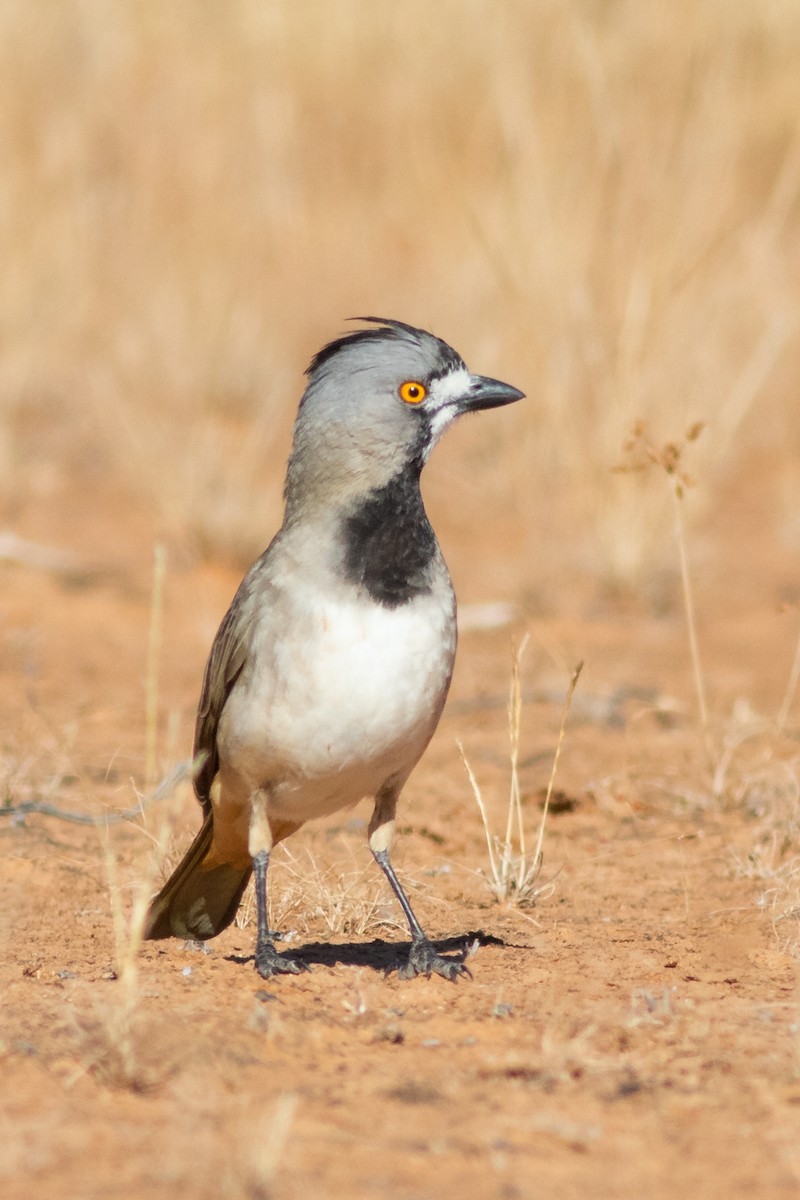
(329, 672)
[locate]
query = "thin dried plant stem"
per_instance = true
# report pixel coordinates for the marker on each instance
(643, 453)
(184, 770)
(476, 791)
(153, 663)
(691, 623)
(791, 689)
(118, 1060)
(514, 722)
(120, 1022)
(573, 683)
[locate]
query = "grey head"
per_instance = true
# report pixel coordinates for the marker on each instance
(376, 403)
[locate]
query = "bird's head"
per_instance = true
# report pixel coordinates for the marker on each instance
(376, 403)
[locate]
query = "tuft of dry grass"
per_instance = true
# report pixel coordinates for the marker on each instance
(108, 1024)
(758, 774)
(110, 1041)
(513, 868)
(304, 891)
(765, 784)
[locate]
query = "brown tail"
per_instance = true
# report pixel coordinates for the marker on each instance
(197, 903)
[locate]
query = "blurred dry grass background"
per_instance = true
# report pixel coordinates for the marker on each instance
(596, 199)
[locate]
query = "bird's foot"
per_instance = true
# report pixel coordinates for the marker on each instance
(269, 962)
(424, 960)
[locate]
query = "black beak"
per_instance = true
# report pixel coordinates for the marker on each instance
(487, 393)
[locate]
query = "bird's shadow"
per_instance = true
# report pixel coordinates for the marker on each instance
(378, 955)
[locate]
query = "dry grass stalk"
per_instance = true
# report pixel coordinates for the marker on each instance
(513, 871)
(112, 1051)
(643, 453)
(153, 663)
(791, 691)
(110, 1042)
(120, 1064)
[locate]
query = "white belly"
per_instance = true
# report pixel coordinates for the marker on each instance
(346, 698)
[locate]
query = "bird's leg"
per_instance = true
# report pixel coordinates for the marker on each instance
(268, 961)
(423, 959)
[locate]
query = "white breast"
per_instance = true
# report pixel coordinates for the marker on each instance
(339, 695)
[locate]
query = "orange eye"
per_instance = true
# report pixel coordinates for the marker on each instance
(412, 392)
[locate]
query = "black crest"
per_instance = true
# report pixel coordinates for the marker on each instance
(387, 329)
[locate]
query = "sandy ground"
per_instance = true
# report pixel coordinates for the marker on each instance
(633, 1032)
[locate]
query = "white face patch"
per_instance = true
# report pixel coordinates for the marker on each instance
(443, 402)
(450, 387)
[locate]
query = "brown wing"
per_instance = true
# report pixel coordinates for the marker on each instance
(225, 664)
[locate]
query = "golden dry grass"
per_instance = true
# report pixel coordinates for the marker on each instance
(598, 200)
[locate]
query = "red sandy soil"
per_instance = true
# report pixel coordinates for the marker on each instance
(634, 1032)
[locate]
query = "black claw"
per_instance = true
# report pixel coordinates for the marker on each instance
(424, 960)
(269, 962)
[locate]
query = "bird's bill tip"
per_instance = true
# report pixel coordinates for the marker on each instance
(488, 393)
